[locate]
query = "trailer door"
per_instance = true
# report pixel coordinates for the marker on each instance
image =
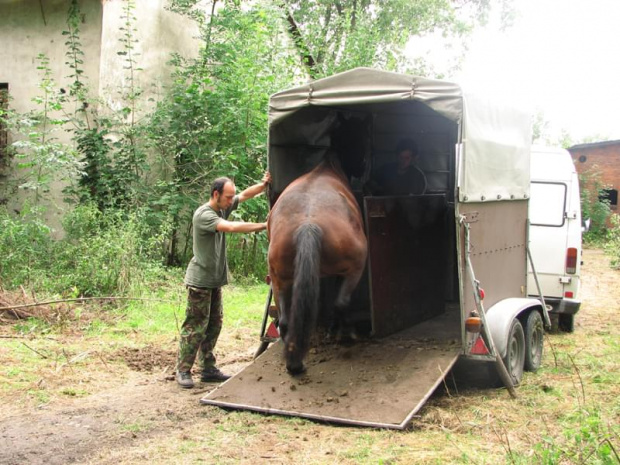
(407, 242)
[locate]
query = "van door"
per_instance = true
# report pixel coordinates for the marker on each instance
(549, 225)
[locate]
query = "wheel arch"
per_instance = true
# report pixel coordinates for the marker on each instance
(499, 318)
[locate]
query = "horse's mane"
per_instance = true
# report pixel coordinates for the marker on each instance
(332, 161)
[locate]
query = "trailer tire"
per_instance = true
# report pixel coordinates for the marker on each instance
(515, 352)
(534, 338)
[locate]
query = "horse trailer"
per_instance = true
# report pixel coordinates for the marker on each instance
(446, 274)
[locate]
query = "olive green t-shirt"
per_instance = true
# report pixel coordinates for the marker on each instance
(208, 267)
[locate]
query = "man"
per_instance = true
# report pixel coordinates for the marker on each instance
(402, 177)
(206, 273)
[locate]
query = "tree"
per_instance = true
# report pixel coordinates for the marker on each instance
(332, 36)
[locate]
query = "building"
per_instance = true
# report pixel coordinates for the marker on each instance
(605, 157)
(32, 27)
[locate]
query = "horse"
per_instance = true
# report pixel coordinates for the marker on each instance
(315, 230)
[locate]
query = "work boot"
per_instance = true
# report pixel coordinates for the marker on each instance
(213, 374)
(184, 379)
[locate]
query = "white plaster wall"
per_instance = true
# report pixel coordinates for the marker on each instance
(30, 27)
(159, 33)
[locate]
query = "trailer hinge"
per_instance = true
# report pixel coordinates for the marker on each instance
(469, 217)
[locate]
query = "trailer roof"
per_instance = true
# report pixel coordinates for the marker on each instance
(495, 138)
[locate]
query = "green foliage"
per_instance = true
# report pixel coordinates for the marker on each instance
(342, 35)
(156, 168)
(587, 439)
(112, 145)
(102, 253)
(213, 122)
(25, 247)
(592, 207)
(612, 247)
(40, 157)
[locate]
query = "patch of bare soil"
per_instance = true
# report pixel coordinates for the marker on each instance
(147, 359)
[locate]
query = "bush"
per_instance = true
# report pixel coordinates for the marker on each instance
(106, 253)
(102, 253)
(593, 207)
(612, 247)
(26, 248)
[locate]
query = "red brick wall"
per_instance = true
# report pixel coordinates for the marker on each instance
(605, 156)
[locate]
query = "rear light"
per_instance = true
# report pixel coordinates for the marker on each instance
(473, 324)
(571, 260)
(569, 294)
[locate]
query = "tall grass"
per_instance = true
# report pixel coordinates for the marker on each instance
(101, 254)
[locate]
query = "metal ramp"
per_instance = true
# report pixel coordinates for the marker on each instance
(376, 383)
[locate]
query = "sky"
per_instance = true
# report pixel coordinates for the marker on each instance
(561, 58)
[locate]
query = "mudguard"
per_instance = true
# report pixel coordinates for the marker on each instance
(499, 318)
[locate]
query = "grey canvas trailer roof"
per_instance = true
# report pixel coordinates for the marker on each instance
(494, 139)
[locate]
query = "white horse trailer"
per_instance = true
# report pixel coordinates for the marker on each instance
(430, 255)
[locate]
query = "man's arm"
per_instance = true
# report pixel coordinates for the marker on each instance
(254, 190)
(239, 226)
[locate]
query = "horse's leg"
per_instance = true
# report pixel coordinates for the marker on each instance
(345, 330)
(349, 283)
(283, 299)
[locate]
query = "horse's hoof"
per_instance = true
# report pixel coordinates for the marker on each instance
(296, 370)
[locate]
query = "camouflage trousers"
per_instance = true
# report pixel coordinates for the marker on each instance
(201, 328)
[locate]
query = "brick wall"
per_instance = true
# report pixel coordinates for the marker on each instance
(603, 155)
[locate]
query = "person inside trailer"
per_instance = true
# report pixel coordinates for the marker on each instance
(402, 177)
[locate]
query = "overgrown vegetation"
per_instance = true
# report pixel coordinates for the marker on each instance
(138, 169)
(593, 206)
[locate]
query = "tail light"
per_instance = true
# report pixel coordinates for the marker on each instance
(571, 260)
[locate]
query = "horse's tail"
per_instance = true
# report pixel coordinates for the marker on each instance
(305, 298)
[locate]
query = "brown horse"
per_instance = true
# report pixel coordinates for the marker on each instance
(315, 229)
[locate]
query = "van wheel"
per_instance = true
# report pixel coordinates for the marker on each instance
(515, 352)
(566, 322)
(534, 335)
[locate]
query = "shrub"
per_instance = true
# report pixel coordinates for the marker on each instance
(612, 247)
(25, 247)
(593, 207)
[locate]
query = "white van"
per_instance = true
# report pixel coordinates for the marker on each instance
(555, 233)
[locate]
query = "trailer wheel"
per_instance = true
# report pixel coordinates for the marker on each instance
(515, 352)
(534, 334)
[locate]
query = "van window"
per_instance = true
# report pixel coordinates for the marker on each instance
(547, 203)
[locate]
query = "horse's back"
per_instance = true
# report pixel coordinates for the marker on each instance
(322, 198)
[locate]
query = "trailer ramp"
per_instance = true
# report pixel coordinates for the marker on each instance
(376, 383)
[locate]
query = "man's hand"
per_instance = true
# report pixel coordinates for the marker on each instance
(256, 189)
(266, 178)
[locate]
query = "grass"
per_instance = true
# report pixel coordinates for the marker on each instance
(567, 412)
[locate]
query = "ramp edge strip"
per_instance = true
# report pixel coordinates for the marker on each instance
(323, 418)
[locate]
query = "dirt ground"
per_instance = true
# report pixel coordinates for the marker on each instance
(133, 411)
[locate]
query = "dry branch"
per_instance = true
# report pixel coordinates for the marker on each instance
(78, 299)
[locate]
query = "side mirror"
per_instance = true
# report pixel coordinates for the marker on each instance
(585, 225)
